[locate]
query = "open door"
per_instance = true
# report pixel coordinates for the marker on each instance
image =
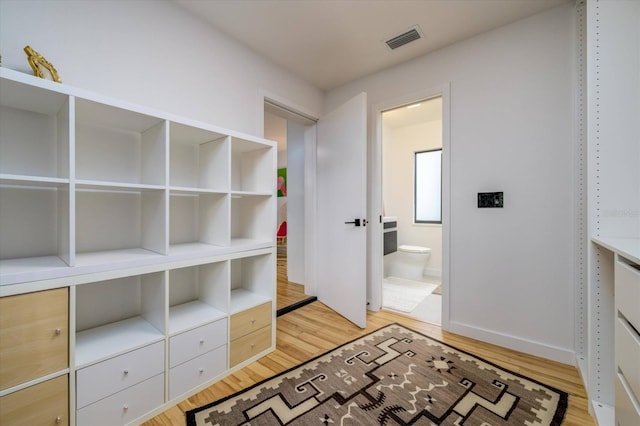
(341, 194)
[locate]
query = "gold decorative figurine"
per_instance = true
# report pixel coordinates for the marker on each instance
(37, 61)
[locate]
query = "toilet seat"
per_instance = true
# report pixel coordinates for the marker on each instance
(414, 249)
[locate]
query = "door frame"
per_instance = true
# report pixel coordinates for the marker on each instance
(310, 233)
(375, 236)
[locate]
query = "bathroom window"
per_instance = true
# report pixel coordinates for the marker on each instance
(428, 187)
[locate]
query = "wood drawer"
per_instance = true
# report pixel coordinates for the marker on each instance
(628, 354)
(627, 291)
(193, 343)
(34, 335)
(627, 410)
(200, 370)
(250, 320)
(247, 346)
(46, 403)
(108, 377)
(125, 406)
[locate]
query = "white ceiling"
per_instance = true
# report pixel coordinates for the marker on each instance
(331, 42)
(416, 113)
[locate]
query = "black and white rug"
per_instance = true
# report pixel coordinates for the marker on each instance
(393, 376)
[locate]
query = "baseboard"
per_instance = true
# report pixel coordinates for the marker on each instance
(562, 355)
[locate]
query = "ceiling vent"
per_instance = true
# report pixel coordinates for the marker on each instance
(400, 40)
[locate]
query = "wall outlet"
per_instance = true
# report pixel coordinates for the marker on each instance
(490, 200)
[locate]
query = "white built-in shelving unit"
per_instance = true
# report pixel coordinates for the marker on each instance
(160, 228)
(608, 261)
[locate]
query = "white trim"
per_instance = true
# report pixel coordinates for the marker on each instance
(563, 355)
(310, 211)
(375, 195)
(266, 97)
(286, 104)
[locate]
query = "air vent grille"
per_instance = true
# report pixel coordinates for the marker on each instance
(402, 39)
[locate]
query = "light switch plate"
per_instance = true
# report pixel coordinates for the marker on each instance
(490, 200)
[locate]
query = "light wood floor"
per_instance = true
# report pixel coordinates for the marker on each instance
(315, 329)
(288, 293)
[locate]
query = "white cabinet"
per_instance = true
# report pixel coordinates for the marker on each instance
(125, 406)
(607, 199)
(116, 374)
(193, 343)
(159, 227)
(627, 342)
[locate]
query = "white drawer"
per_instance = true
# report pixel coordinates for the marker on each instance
(124, 406)
(193, 343)
(108, 377)
(628, 354)
(200, 370)
(627, 290)
(627, 411)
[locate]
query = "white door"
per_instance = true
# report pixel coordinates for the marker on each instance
(341, 194)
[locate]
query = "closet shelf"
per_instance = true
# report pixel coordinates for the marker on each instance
(35, 181)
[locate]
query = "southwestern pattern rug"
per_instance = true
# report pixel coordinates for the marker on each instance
(393, 376)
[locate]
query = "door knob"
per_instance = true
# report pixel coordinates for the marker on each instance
(355, 222)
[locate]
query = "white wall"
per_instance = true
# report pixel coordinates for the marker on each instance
(511, 277)
(149, 52)
(398, 148)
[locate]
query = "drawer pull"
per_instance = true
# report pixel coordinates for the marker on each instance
(253, 345)
(200, 370)
(125, 408)
(125, 372)
(58, 331)
(202, 341)
(58, 419)
(253, 320)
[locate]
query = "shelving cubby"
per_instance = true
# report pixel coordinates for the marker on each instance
(199, 222)
(34, 133)
(119, 315)
(34, 229)
(199, 159)
(197, 295)
(253, 220)
(115, 225)
(252, 280)
(252, 165)
(121, 146)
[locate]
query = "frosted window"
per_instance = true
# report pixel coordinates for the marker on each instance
(428, 187)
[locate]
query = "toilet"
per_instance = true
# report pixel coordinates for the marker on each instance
(407, 262)
(402, 261)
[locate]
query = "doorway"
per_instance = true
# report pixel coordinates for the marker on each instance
(335, 206)
(412, 145)
(289, 130)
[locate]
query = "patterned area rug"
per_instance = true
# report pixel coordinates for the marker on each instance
(393, 376)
